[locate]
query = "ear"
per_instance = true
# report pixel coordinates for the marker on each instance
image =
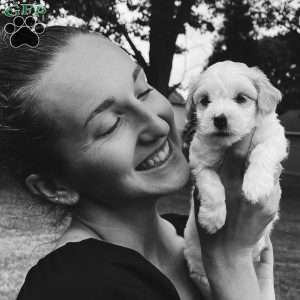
(268, 95)
(51, 190)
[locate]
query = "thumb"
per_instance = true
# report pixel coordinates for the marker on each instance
(267, 256)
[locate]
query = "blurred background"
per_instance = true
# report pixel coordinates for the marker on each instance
(174, 40)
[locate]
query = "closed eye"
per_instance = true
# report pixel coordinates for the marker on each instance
(143, 94)
(102, 133)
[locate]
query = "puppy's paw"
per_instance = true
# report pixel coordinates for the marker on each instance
(257, 185)
(212, 219)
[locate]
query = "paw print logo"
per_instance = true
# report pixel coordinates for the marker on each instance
(24, 32)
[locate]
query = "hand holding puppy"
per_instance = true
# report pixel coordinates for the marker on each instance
(227, 254)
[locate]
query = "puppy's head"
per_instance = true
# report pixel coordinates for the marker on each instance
(228, 97)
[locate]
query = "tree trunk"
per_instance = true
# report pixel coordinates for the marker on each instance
(162, 44)
(166, 22)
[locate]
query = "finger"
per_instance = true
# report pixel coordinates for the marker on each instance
(263, 212)
(246, 220)
(267, 254)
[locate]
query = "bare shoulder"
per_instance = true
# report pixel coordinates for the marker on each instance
(74, 234)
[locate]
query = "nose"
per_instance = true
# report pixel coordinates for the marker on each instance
(151, 124)
(220, 122)
(152, 129)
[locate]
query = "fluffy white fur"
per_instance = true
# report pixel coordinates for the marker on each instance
(252, 122)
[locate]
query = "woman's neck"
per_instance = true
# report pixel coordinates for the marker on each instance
(139, 228)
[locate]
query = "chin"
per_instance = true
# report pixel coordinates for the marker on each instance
(176, 177)
(171, 178)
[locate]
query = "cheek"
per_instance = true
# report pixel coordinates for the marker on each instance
(242, 119)
(102, 166)
(113, 159)
(247, 114)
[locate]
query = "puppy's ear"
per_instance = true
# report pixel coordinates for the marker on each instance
(190, 121)
(190, 105)
(268, 95)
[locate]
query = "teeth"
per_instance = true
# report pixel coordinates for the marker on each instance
(157, 159)
(151, 162)
(161, 155)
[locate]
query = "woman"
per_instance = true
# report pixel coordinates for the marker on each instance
(92, 134)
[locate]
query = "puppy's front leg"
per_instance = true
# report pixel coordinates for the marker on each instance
(212, 211)
(264, 162)
(204, 157)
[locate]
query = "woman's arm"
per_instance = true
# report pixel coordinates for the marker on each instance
(227, 255)
(233, 280)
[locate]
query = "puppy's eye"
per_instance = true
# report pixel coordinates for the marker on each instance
(240, 99)
(205, 101)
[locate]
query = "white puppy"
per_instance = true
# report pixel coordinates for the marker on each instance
(232, 102)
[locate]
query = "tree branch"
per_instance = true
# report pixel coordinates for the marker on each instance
(138, 55)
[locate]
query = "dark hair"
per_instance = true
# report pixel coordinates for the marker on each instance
(26, 134)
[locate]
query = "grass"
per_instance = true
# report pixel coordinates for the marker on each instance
(26, 232)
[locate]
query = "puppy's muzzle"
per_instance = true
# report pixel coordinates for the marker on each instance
(220, 122)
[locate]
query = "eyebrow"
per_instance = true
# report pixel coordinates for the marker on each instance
(111, 100)
(99, 109)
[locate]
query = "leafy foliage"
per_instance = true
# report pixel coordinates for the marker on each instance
(236, 42)
(279, 58)
(269, 14)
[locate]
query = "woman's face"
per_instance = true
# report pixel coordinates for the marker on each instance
(118, 136)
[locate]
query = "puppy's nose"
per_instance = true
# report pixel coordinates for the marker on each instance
(220, 122)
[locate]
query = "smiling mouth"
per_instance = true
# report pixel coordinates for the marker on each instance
(158, 158)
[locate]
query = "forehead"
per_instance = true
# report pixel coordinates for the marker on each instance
(88, 70)
(88, 61)
(226, 82)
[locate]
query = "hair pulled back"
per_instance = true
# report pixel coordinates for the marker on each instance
(26, 134)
